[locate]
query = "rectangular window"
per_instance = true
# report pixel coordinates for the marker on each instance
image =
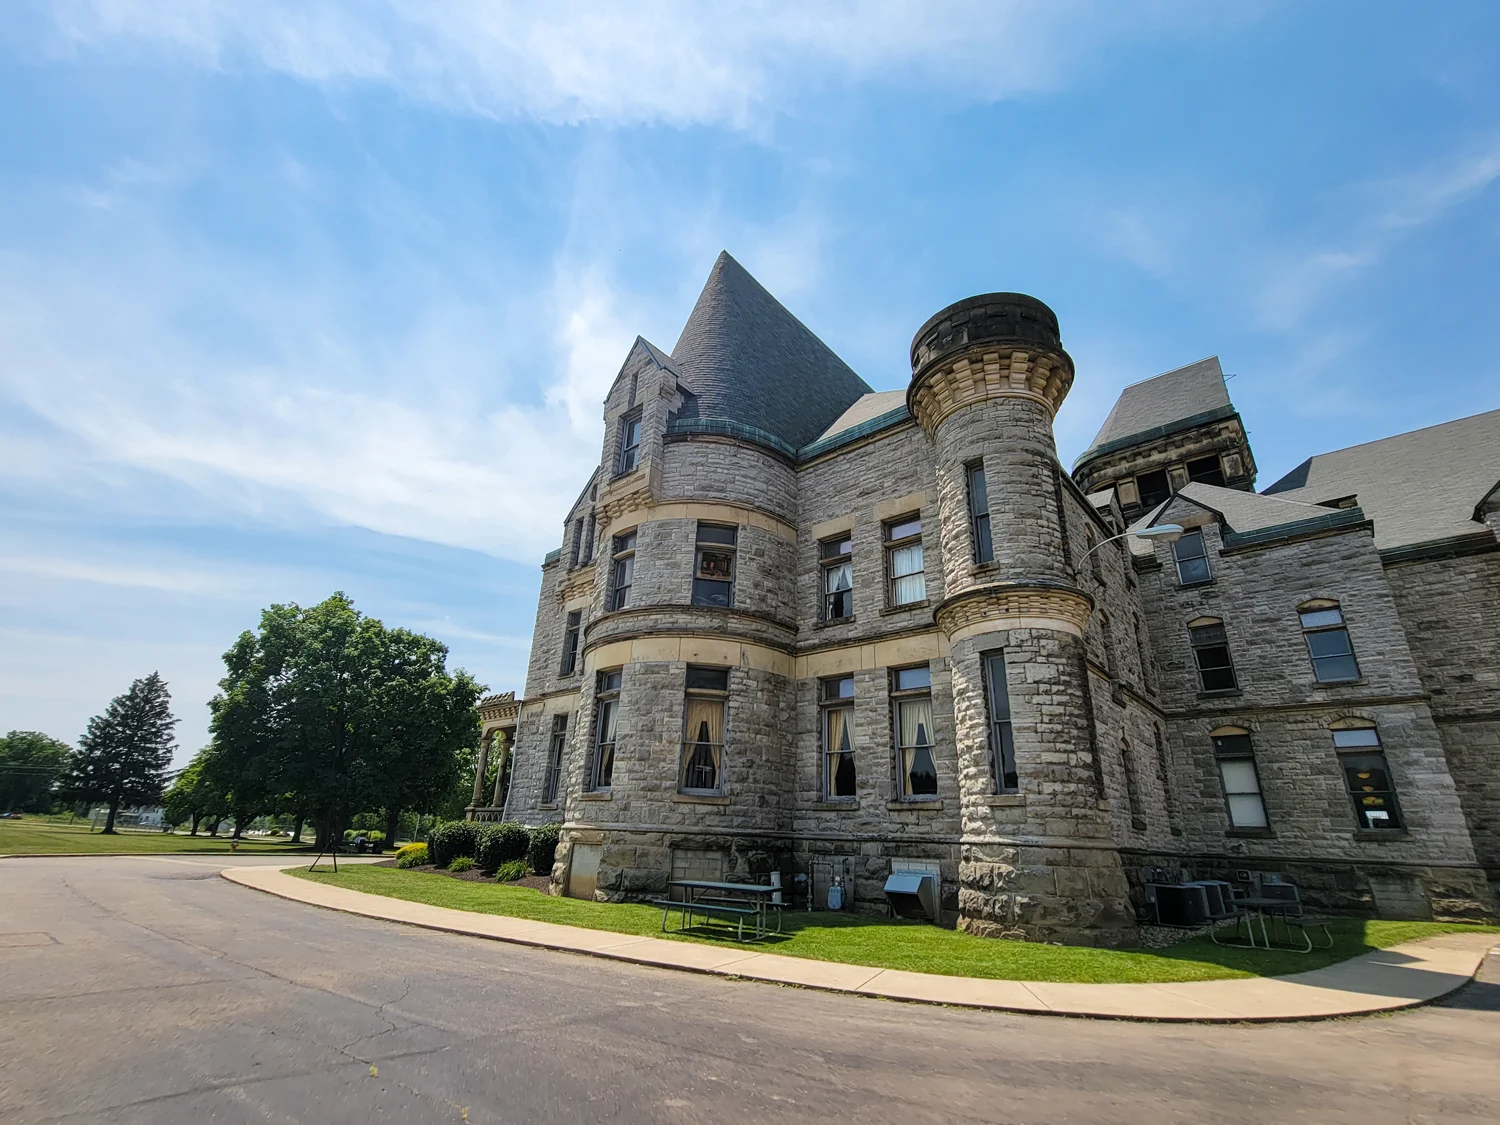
(602, 770)
(912, 697)
(577, 537)
(904, 561)
(1242, 795)
(703, 730)
(1002, 739)
(1153, 488)
(979, 514)
(1192, 559)
(555, 748)
(713, 571)
(1368, 779)
(1211, 653)
(630, 443)
(836, 697)
(570, 643)
(835, 558)
(1206, 470)
(622, 574)
(1328, 645)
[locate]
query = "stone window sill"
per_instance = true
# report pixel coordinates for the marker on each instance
(1357, 682)
(700, 799)
(1222, 693)
(850, 804)
(547, 805)
(596, 795)
(984, 569)
(916, 805)
(834, 622)
(1383, 835)
(1195, 585)
(1250, 833)
(1104, 804)
(1005, 800)
(906, 608)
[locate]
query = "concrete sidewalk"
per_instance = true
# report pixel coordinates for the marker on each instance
(1402, 976)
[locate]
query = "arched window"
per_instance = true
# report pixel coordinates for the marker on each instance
(1367, 776)
(1328, 642)
(1243, 799)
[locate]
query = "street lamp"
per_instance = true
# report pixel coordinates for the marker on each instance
(1166, 532)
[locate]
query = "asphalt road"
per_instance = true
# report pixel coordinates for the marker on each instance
(147, 989)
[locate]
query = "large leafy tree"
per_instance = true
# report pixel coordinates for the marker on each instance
(191, 797)
(30, 764)
(326, 710)
(123, 756)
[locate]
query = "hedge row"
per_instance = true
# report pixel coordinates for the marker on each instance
(491, 846)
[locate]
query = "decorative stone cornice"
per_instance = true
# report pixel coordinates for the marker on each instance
(499, 708)
(1014, 605)
(991, 346)
(578, 584)
(953, 384)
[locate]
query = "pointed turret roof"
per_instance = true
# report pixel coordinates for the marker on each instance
(747, 359)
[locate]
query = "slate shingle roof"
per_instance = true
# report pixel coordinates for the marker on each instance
(747, 359)
(1186, 392)
(865, 408)
(1240, 511)
(1418, 487)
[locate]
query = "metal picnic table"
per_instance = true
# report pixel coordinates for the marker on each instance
(1286, 910)
(736, 902)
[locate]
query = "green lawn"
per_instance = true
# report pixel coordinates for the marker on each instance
(860, 940)
(49, 836)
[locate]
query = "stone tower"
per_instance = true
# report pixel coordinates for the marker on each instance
(1037, 856)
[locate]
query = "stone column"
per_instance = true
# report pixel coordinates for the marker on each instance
(484, 764)
(503, 738)
(987, 377)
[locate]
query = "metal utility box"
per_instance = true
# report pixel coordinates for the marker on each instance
(1180, 905)
(912, 894)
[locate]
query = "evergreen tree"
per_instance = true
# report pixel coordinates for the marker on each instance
(122, 757)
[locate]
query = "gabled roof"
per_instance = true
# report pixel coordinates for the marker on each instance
(1238, 512)
(748, 360)
(1418, 487)
(866, 408)
(1156, 404)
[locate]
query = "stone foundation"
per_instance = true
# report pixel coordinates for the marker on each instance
(1078, 896)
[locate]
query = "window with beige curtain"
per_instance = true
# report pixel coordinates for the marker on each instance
(836, 696)
(912, 694)
(703, 730)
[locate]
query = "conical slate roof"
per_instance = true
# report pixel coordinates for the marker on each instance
(746, 359)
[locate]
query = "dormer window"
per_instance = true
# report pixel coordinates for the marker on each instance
(1192, 559)
(630, 442)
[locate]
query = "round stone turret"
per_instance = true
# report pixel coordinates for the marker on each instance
(988, 375)
(983, 347)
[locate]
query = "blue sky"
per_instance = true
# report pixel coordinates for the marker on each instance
(297, 297)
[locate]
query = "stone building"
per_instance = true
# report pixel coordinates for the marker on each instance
(799, 626)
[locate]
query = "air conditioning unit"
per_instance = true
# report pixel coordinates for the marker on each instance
(1220, 896)
(1179, 904)
(912, 894)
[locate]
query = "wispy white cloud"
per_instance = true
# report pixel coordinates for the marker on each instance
(673, 61)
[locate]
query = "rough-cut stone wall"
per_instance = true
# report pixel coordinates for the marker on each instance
(1256, 592)
(707, 467)
(859, 489)
(1450, 608)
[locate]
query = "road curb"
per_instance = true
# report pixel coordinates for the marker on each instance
(1411, 975)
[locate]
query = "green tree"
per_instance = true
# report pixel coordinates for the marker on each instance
(30, 763)
(336, 714)
(191, 797)
(122, 757)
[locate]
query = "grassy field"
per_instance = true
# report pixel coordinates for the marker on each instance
(859, 940)
(50, 836)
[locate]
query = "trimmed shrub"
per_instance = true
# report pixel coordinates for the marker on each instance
(447, 842)
(501, 843)
(461, 864)
(412, 855)
(542, 851)
(510, 871)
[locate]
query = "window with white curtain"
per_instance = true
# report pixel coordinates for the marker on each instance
(837, 562)
(1241, 780)
(903, 539)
